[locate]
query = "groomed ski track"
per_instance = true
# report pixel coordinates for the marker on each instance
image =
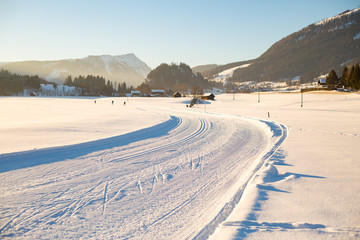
(178, 179)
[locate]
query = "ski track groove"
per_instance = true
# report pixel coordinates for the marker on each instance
(11, 220)
(204, 125)
(105, 197)
(177, 208)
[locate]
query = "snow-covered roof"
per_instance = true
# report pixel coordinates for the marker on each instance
(322, 80)
(157, 90)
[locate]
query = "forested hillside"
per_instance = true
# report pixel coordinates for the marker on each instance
(310, 52)
(176, 77)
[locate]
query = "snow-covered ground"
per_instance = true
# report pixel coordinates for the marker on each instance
(154, 169)
(310, 188)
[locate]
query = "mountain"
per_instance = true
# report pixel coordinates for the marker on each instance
(123, 68)
(308, 53)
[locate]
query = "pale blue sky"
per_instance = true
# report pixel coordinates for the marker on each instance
(161, 31)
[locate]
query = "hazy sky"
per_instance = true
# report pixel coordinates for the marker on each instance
(161, 31)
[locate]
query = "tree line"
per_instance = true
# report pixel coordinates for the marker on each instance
(91, 85)
(14, 84)
(350, 77)
(97, 86)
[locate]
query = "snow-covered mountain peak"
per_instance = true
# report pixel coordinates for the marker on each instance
(129, 60)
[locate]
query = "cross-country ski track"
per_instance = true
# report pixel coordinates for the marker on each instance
(178, 179)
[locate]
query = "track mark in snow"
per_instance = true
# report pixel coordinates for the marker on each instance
(105, 197)
(139, 185)
(11, 220)
(155, 180)
(177, 208)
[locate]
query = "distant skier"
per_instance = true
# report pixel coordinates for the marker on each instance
(95, 101)
(124, 103)
(112, 102)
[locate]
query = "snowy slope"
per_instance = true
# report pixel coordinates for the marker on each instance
(224, 75)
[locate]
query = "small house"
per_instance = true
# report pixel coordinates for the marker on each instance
(208, 97)
(135, 93)
(322, 81)
(177, 95)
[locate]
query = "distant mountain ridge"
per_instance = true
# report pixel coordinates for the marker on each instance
(122, 68)
(306, 54)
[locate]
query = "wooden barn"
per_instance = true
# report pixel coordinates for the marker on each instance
(177, 95)
(208, 97)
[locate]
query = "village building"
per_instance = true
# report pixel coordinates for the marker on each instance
(135, 93)
(322, 81)
(157, 92)
(209, 96)
(177, 95)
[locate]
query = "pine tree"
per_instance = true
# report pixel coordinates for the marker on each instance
(355, 76)
(68, 81)
(123, 87)
(332, 78)
(345, 76)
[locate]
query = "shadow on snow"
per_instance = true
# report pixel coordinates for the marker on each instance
(18, 160)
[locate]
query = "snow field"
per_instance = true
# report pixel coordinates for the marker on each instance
(309, 188)
(167, 177)
(179, 172)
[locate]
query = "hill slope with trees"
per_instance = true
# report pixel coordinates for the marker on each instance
(310, 52)
(176, 78)
(306, 54)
